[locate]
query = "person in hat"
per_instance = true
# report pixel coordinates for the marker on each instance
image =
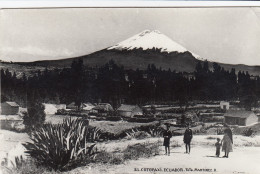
(167, 136)
(187, 138)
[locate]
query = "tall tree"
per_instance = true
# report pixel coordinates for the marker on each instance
(35, 116)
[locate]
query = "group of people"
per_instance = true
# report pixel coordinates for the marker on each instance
(226, 142)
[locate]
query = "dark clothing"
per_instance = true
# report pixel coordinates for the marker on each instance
(187, 136)
(167, 135)
(187, 147)
(218, 145)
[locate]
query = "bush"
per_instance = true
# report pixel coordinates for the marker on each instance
(77, 113)
(94, 134)
(132, 152)
(109, 157)
(23, 166)
(61, 146)
(113, 118)
(62, 112)
(35, 116)
(155, 131)
(141, 120)
(141, 150)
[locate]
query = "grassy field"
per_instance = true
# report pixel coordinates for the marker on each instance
(56, 119)
(117, 127)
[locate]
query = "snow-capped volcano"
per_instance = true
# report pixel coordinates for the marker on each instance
(138, 52)
(151, 39)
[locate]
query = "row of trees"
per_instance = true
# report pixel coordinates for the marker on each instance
(112, 83)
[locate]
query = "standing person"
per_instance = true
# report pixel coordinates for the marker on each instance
(227, 141)
(218, 145)
(167, 136)
(187, 138)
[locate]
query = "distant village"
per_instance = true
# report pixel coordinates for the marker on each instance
(222, 112)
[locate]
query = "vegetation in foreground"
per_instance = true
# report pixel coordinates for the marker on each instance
(61, 146)
(132, 152)
(65, 146)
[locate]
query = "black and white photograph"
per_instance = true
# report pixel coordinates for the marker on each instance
(130, 90)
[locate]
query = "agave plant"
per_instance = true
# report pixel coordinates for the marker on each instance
(57, 146)
(94, 134)
(131, 133)
(155, 132)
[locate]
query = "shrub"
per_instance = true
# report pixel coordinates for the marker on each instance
(23, 166)
(62, 112)
(249, 132)
(132, 152)
(155, 131)
(141, 120)
(131, 133)
(35, 116)
(94, 134)
(61, 146)
(141, 150)
(113, 118)
(109, 157)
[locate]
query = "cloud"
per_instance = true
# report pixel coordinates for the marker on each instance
(28, 53)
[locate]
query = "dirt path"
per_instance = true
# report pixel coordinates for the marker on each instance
(244, 160)
(11, 144)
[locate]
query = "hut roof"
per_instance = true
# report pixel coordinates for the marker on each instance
(87, 106)
(104, 107)
(127, 107)
(238, 113)
(71, 104)
(12, 104)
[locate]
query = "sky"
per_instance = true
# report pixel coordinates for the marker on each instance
(226, 35)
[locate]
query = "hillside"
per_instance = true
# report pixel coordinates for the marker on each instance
(133, 59)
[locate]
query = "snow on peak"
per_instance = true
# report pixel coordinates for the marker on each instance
(151, 39)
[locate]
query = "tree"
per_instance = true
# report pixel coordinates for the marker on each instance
(77, 74)
(206, 66)
(248, 102)
(57, 99)
(35, 116)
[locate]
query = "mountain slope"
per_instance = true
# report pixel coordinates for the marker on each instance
(147, 47)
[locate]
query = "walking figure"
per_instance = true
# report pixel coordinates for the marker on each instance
(167, 136)
(187, 138)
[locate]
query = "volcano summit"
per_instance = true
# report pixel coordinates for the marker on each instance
(150, 40)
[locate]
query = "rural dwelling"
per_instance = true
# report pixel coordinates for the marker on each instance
(87, 106)
(52, 108)
(240, 117)
(103, 108)
(224, 105)
(72, 106)
(9, 108)
(129, 110)
(9, 122)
